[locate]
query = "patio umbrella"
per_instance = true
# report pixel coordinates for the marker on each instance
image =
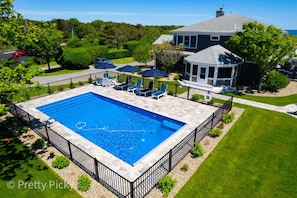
(104, 65)
(154, 73)
(128, 68)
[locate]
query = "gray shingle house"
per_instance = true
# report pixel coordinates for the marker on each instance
(208, 65)
(212, 32)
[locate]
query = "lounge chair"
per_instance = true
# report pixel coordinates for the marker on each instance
(160, 93)
(98, 81)
(148, 90)
(137, 87)
(106, 82)
(124, 85)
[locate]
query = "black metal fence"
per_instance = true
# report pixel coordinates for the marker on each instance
(116, 183)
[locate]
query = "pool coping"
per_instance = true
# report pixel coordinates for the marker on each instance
(168, 106)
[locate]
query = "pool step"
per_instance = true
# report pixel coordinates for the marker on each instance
(65, 104)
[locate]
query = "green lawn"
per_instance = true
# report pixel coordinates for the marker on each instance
(23, 174)
(278, 101)
(257, 158)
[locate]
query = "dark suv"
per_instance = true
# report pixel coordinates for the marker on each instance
(101, 60)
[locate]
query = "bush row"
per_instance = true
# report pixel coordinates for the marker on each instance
(81, 58)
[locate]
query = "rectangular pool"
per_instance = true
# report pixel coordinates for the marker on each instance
(123, 130)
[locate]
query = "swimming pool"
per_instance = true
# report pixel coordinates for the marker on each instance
(123, 130)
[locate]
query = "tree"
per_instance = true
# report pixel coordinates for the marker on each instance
(41, 40)
(168, 54)
(263, 45)
(143, 53)
(13, 75)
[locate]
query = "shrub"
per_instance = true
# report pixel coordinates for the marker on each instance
(131, 46)
(210, 102)
(60, 162)
(166, 183)
(275, 81)
(170, 92)
(75, 58)
(215, 132)
(3, 109)
(38, 144)
(228, 118)
(221, 125)
(197, 150)
(80, 83)
(84, 183)
(90, 80)
(185, 167)
(195, 97)
(118, 53)
(176, 77)
(23, 129)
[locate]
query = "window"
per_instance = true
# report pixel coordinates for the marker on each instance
(225, 72)
(214, 38)
(211, 72)
(202, 72)
(193, 42)
(187, 41)
(195, 68)
(180, 39)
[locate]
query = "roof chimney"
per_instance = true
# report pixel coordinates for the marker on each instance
(220, 12)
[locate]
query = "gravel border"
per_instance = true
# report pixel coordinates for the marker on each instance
(70, 173)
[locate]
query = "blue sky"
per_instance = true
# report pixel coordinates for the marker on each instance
(280, 13)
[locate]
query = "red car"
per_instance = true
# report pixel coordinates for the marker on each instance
(19, 53)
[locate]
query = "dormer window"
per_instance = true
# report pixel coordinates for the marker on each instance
(214, 38)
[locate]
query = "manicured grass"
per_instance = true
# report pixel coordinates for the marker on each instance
(123, 60)
(62, 71)
(278, 101)
(257, 158)
(23, 174)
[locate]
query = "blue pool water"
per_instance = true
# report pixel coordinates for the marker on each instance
(125, 131)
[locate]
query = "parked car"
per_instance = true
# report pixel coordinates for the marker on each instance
(101, 60)
(19, 53)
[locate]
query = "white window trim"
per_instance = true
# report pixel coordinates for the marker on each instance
(215, 38)
(190, 35)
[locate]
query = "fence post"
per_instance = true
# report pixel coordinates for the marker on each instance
(188, 94)
(71, 83)
(195, 134)
(48, 139)
(212, 120)
(96, 169)
(70, 150)
(170, 160)
(30, 125)
(131, 189)
(16, 110)
(48, 89)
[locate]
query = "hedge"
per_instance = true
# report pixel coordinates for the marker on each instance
(75, 58)
(118, 53)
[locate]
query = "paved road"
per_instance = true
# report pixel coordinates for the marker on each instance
(83, 75)
(78, 76)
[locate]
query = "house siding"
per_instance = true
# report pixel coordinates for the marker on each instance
(205, 42)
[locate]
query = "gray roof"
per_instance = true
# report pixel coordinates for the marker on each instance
(162, 38)
(214, 55)
(228, 24)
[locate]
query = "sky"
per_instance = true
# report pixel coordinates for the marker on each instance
(280, 13)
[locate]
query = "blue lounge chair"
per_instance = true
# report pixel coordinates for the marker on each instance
(148, 90)
(124, 85)
(160, 93)
(137, 87)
